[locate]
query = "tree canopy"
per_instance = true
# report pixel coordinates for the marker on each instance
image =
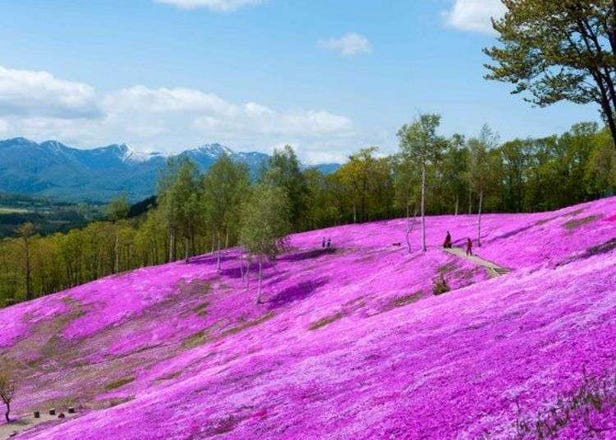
(555, 50)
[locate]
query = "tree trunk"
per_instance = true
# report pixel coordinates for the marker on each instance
(116, 251)
(171, 246)
(479, 219)
(423, 209)
(470, 201)
(354, 213)
(28, 274)
(186, 247)
(8, 412)
(457, 205)
(408, 228)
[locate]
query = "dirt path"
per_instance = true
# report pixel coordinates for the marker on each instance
(494, 270)
(26, 423)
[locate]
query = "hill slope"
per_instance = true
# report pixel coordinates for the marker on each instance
(348, 344)
(100, 174)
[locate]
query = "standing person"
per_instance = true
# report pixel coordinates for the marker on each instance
(447, 243)
(469, 247)
(323, 243)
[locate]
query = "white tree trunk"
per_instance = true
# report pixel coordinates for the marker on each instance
(116, 251)
(408, 228)
(423, 208)
(457, 205)
(470, 201)
(171, 245)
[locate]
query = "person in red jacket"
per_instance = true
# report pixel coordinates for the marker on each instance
(469, 247)
(447, 243)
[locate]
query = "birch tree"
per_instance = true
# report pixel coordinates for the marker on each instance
(422, 148)
(479, 168)
(7, 391)
(265, 225)
(225, 185)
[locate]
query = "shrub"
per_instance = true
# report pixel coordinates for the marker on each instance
(440, 286)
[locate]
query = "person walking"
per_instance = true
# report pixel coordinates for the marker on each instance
(469, 247)
(447, 243)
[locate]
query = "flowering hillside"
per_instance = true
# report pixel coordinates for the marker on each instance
(347, 344)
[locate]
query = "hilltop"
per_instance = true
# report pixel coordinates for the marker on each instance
(53, 169)
(347, 344)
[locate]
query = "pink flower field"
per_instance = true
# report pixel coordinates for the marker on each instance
(348, 344)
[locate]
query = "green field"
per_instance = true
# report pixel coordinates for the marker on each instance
(9, 210)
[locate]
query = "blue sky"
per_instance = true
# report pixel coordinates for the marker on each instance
(328, 77)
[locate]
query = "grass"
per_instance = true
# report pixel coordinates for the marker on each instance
(446, 268)
(602, 248)
(247, 324)
(576, 223)
(169, 376)
(7, 210)
(326, 321)
(195, 340)
(594, 395)
(405, 300)
(114, 384)
(194, 287)
(201, 309)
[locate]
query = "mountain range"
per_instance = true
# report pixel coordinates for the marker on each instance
(52, 169)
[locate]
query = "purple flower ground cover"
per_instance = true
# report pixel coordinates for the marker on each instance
(347, 344)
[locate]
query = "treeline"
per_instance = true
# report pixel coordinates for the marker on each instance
(195, 214)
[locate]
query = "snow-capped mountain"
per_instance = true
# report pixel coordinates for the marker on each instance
(51, 168)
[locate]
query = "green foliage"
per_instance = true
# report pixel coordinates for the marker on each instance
(118, 209)
(558, 50)
(225, 186)
(265, 221)
(180, 202)
(368, 184)
(419, 142)
(283, 171)
(518, 176)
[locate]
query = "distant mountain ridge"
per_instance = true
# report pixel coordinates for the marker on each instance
(56, 170)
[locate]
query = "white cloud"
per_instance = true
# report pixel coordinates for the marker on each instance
(167, 119)
(214, 5)
(24, 92)
(474, 15)
(349, 44)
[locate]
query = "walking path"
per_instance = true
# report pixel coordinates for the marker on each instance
(494, 270)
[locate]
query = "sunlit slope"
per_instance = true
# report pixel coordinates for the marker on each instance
(348, 344)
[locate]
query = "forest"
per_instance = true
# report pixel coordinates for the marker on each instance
(195, 214)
